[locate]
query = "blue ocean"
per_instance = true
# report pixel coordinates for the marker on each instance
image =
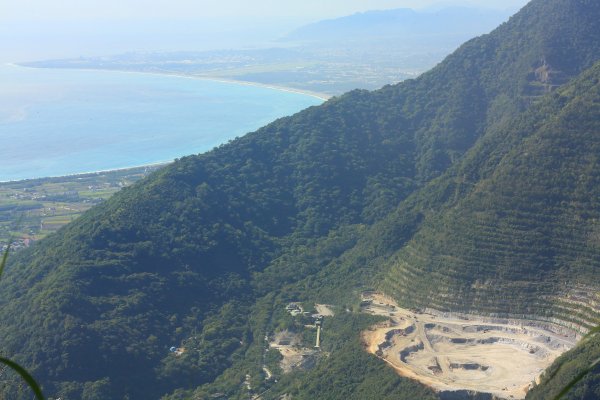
(58, 122)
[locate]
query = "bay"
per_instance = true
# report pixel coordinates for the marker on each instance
(57, 122)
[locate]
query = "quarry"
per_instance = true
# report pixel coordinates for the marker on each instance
(453, 352)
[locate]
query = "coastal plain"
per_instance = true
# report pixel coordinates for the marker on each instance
(34, 208)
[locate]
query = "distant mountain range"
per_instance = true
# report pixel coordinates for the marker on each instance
(473, 188)
(445, 25)
(365, 51)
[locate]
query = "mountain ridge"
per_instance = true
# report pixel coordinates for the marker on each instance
(405, 22)
(315, 206)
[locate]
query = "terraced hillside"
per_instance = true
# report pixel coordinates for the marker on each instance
(523, 238)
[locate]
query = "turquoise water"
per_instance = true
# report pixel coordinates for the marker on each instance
(59, 122)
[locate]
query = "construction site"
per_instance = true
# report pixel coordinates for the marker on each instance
(294, 354)
(463, 352)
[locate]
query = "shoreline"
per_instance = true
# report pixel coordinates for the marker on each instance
(318, 95)
(157, 164)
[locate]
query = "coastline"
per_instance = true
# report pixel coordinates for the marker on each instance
(157, 165)
(318, 95)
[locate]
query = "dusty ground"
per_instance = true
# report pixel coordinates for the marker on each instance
(294, 356)
(325, 310)
(454, 353)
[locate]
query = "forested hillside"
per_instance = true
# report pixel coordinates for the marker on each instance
(569, 367)
(518, 231)
(479, 177)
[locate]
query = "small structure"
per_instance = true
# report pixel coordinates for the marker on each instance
(177, 350)
(318, 324)
(294, 309)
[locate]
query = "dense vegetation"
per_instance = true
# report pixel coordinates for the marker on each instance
(466, 178)
(568, 367)
(521, 218)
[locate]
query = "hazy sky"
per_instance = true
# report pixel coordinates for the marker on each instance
(100, 9)
(42, 29)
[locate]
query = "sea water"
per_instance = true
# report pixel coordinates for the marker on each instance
(57, 122)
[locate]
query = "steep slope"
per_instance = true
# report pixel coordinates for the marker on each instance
(466, 217)
(567, 368)
(177, 259)
(518, 232)
(142, 272)
(522, 288)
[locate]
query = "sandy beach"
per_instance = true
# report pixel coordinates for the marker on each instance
(318, 95)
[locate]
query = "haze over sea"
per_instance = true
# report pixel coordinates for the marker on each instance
(59, 122)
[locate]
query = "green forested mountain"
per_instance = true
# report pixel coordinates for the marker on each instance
(518, 231)
(480, 177)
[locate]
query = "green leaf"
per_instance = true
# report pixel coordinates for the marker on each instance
(576, 380)
(4, 258)
(10, 240)
(591, 333)
(20, 370)
(25, 375)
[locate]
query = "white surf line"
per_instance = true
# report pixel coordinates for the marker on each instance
(100, 171)
(317, 95)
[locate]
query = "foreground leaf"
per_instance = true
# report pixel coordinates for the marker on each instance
(577, 379)
(4, 258)
(25, 375)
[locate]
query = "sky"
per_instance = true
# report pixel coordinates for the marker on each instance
(41, 29)
(99, 9)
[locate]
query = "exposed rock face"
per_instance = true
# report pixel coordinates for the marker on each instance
(544, 78)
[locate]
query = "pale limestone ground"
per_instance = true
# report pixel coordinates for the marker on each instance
(452, 353)
(325, 310)
(288, 344)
